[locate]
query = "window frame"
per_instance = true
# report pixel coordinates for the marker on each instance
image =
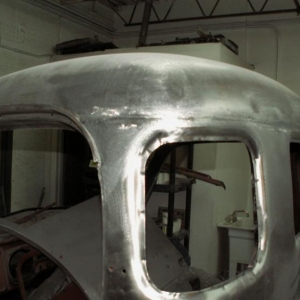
(215, 134)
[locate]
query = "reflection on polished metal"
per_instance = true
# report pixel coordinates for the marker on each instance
(127, 106)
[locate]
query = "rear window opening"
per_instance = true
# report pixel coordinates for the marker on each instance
(201, 227)
(44, 173)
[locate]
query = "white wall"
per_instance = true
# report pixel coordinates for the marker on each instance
(230, 163)
(37, 164)
(28, 169)
(29, 33)
(27, 37)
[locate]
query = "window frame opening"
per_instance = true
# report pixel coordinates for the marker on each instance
(43, 119)
(254, 161)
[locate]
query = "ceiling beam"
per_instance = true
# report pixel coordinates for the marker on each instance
(245, 14)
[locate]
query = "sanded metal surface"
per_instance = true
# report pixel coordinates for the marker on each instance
(68, 237)
(127, 106)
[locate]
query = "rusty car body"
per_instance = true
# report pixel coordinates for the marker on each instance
(126, 106)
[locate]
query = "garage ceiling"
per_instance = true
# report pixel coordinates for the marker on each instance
(255, 7)
(99, 14)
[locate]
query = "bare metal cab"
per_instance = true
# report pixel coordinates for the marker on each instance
(127, 106)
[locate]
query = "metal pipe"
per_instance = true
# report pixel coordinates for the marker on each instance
(24, 258)
(171, 194)
(145, 23)
(196, 175)
(188, 203)
(133, 12)
(270, 12)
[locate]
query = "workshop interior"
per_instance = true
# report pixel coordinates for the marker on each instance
(202, 210)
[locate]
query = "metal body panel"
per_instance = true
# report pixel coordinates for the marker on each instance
(128, 105)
